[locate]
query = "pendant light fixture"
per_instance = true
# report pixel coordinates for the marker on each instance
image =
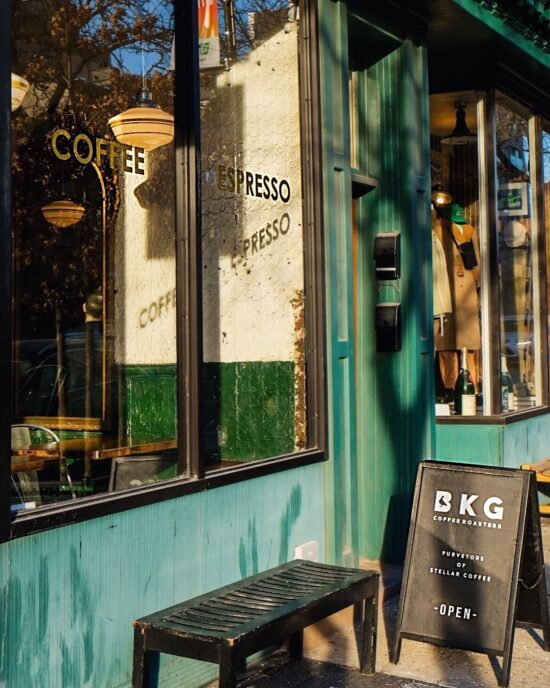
(440, 196)
(62, 213)
(145, 125)
(19, 88)
(461, 135)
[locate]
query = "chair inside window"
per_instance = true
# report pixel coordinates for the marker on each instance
(27, 484)
(133, 471)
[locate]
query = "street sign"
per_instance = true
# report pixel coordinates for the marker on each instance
(474, 567)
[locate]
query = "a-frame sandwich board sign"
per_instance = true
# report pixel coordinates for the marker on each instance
(474, 567)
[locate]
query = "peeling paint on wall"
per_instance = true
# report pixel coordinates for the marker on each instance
(300, 399)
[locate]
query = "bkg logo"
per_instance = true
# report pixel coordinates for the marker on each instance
(491, 506)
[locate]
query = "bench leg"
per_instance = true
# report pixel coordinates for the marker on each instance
(228, 668)
(296, 645)
(367, 660)
(142, 660)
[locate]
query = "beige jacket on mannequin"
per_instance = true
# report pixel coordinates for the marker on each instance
(460, 326)
(464, 327)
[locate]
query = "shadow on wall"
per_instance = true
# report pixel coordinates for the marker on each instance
(403, 381)
(248, 550)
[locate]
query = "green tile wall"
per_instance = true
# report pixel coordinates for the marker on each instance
(149, 401)
(248, 409)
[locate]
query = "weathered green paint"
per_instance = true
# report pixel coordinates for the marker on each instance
(526, 441)
(478, 444)
(68, 596)
(289, 517)
(510, 445)
(248, 409)
(380, 404)
(341, 471)
(395, 398)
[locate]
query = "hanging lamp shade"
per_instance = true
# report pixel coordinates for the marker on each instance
(63, 213)
(461, 135)
(145, 125)
(440, 196)
(19, 87)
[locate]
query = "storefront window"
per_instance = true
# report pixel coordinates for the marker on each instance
(94, 307)
(254, 303)
(476, 373)
(96, 223)
(516, 236)
(456, 247)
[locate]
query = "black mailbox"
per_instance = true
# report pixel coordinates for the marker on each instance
(387, 256)
(387, 322)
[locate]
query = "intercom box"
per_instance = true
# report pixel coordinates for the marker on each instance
(387, 323)
(387, 256)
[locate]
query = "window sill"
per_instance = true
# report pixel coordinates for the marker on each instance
(504, 419)
(106, 504)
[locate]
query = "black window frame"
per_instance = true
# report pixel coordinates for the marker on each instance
(192, 474)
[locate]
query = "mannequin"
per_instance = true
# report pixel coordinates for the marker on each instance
(442, 304)
(458, 327)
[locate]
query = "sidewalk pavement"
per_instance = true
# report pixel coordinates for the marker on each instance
(331, 654)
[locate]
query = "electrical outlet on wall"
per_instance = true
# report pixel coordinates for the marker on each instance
(307, 550)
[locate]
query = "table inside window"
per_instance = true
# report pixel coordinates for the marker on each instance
(96, 448)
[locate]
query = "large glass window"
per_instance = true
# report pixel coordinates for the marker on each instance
(517, 242)
(456, 245)
(254, 333)
(94, 324)
(485, 259)
(96, 216)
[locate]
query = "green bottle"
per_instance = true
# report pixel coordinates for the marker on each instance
(465, 393)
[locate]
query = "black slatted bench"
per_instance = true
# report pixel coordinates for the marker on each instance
(229, 624)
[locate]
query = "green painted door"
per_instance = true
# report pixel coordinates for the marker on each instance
(394, 398)
(374, 95)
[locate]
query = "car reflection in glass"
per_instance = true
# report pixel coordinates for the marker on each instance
(47, 388)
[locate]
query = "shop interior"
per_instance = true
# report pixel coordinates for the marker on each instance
(464, 244)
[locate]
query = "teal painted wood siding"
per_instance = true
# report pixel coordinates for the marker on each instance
(395, 425)
(477, 444)
(381, 405)
(68, 596)
(524, 441)
(341, 471)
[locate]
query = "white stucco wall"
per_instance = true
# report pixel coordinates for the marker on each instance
(250, 278)
(252, 247)
(144, 269)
